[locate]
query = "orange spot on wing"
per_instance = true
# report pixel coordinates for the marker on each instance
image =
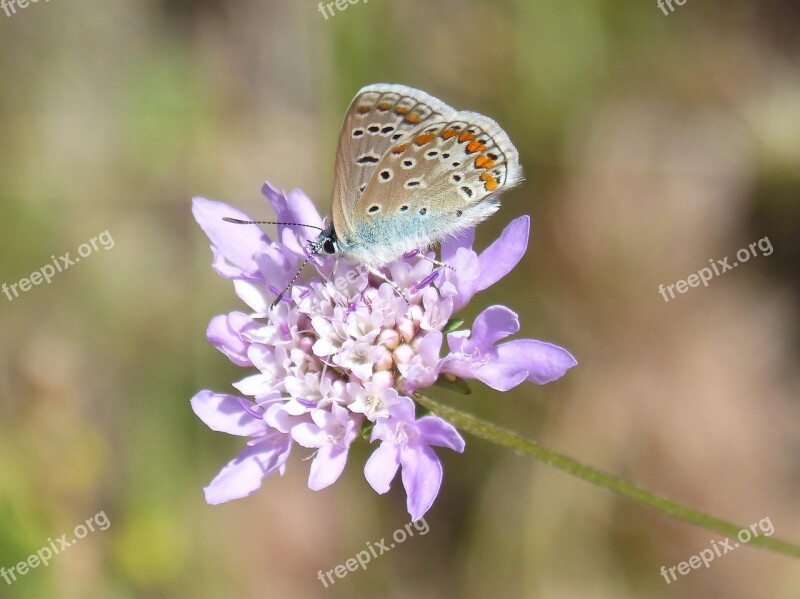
(402, 110)
(484, 161)
(413, 118)
(448, 133)
(400, 149)
(424, 138)
(490, 182)
(466, 137)
(475, 146)
(364, 108)
(384, 106)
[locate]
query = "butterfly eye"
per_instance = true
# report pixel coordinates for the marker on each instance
(328, 247)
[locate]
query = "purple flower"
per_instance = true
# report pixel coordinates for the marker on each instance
(343, 351)
(266, 452)
(226, 332)
(407, 443)
(474, 354)
(331, 432)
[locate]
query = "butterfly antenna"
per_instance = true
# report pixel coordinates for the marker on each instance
(238, 221)
(286, 289)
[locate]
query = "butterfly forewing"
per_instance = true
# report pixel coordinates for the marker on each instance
(378, 118)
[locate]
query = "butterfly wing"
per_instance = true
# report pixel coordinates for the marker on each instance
(436, 181)
(378, 117)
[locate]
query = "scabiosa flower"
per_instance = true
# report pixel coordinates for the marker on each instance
(343, 353)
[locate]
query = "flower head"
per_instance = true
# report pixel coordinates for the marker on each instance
(343, 351)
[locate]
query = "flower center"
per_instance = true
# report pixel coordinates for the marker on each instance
(374, 404)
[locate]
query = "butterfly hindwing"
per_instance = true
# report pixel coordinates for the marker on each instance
(378, 117)
(436, 181)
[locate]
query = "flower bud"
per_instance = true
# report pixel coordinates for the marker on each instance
(403, 354)
(407, 329)
(389, 338)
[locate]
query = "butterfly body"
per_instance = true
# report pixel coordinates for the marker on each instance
(412, 171)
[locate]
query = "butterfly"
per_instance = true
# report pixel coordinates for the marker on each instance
(411, 171)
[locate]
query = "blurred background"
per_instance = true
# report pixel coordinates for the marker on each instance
(651, 143)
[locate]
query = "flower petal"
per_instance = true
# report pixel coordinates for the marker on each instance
(423, 370)
(309, 435)
(502, 256)
(237, 243)
(436, 431)
(256, 385)
(450, 246)
(294, 207)
(422, 477)
(524, 359)
(491, 325)
(326, 467)
(242, 475)
(224, 413)
(499, 375)
(460, 283)
(253, 295)
(225, 332)
(381, 467)
(543, 361)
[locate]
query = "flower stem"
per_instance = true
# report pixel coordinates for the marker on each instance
(506, 438)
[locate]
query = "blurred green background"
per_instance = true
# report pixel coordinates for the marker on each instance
(651, 143)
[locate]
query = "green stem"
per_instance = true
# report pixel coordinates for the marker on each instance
(495, 434)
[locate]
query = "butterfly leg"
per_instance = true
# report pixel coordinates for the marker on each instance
(424, 256)
(383, 277)
(435, 262)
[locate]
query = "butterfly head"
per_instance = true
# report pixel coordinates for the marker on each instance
(326, 244)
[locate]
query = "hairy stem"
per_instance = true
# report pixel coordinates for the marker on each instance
(506, 438)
